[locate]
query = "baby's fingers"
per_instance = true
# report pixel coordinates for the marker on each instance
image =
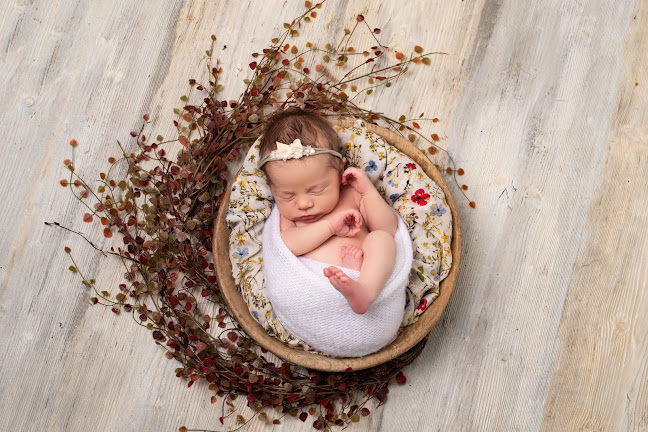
(358, 218)
(349, 174)
(354, 229)
(353, 219)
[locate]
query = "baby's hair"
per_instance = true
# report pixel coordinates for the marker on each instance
(289, 125)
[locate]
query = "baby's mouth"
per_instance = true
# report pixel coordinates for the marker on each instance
(307, 218)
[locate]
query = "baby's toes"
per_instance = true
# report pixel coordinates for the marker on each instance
(358, 254)
(339, 274)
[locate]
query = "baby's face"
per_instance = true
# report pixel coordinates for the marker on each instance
(304, 190)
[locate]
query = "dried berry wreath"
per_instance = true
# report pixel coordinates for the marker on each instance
(164, 208)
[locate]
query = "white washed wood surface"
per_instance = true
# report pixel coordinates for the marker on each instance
(543, 103)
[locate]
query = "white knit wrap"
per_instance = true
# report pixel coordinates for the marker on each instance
(310, 307)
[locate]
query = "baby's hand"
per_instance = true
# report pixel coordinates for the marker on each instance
(346, 223)
(358, 180)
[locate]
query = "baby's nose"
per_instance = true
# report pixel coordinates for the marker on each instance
(304, 203)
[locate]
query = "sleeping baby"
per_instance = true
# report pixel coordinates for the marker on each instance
(333, 220)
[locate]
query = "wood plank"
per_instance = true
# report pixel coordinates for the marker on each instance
(85, 70)
(600, 380)
(527, 126)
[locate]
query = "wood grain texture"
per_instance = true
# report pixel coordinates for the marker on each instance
(537, 101)
(600, 378)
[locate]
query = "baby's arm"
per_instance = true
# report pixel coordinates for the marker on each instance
(376, 212)
(303, 239)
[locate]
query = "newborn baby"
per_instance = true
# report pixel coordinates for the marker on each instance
(336, 257)
(327, 213)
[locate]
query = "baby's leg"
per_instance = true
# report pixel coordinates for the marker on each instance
(379, 250)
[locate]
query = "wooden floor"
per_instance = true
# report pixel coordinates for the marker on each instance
(543, 103)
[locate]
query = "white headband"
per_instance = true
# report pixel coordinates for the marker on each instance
(294, 151)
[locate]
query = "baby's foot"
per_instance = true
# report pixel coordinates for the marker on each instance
(352, 257)
(350, 289)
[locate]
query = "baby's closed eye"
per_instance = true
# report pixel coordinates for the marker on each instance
(317, 189)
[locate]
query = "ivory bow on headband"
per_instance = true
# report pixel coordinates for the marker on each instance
(290, 151)
(294, 151)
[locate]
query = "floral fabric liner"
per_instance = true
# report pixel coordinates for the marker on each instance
(418, 199)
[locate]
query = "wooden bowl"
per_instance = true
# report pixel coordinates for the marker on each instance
(406, 340)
